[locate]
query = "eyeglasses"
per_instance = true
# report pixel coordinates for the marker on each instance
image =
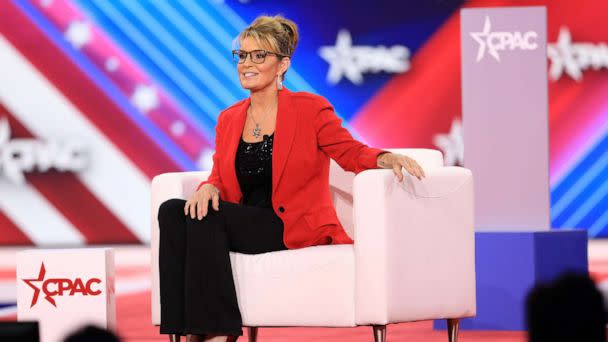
(256, 56)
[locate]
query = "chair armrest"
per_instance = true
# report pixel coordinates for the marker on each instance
(414, 246)
(164, 187)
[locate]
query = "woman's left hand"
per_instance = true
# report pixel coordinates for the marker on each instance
(397, 161)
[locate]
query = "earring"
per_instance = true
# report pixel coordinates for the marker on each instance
(279, 83)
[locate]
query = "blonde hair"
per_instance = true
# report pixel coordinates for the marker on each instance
(277, 34)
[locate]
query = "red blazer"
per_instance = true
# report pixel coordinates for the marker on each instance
(307, 134)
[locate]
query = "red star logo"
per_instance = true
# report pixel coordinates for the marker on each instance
(37, 289)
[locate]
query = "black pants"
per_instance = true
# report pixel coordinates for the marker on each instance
(197, 293)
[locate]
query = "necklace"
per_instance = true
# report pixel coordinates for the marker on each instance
(257, 131)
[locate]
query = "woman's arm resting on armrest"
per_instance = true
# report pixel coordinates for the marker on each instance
(337, 142)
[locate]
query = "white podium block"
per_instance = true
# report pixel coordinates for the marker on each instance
(65, 289)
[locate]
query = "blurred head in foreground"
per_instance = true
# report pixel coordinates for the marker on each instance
(570, 309)
(92, 333)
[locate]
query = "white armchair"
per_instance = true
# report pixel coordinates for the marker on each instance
(413, 257)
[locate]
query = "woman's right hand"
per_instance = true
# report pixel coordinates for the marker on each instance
(198, 202)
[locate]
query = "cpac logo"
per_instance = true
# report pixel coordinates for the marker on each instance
(351, 62)
(493, 42)
(61, 286)
(22, 155)
(574, 58)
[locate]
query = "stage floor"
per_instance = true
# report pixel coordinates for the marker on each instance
(133, 304)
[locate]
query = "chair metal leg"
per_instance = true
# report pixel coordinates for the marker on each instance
(379, 333)
(174, 338)
(453, 325)
(252, 332)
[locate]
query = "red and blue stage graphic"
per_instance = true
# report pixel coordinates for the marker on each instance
(137, 86)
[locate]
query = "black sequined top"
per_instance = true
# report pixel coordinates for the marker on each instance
(253, 164)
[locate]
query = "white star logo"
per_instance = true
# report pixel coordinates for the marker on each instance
(575, 58)
(482, 39)
(452, 144)
(562, 57)
(145, 98)
(78, 33)
(341, 60)
(353, 61)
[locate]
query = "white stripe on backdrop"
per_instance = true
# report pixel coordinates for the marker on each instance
(35, 216)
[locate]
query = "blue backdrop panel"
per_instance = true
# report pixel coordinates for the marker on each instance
(510, 264)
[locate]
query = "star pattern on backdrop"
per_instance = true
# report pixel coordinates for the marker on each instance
(452, 144)
(145, 98)
(341, 59)
(78, 33)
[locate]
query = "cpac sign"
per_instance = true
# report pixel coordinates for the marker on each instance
(22, 155)
(61, 286)
(493, 42)
(83, 293)
(351, 62)
(574, 58)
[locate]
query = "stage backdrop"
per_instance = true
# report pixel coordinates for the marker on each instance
(97, 97)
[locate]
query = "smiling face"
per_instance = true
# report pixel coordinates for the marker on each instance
(255, 77)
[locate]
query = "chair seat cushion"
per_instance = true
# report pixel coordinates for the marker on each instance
(311, 286)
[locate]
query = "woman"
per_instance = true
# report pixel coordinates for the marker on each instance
(269, 187)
